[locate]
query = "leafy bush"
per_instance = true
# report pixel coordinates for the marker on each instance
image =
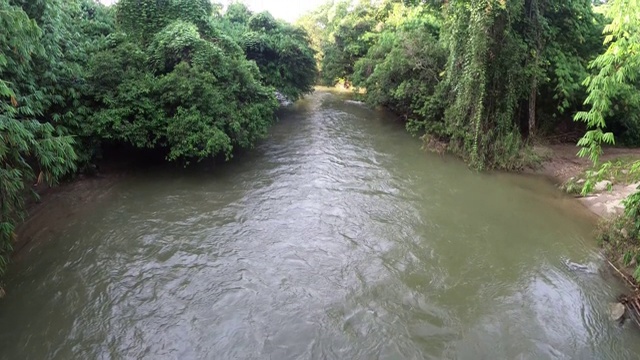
(171, 75)
(402, 70)
(281, 51)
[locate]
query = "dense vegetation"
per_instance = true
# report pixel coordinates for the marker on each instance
(177, 76)
(485, 77)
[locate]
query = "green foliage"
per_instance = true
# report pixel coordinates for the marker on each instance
(481, 76)
(74, 31)
(30, 151)
(401, 71)
(184, 93)
(632, 212)
(627, 258)
(485, 81)
(342, 32)
(177, 42)
(281, 51)
(613, 90)
(564, 36)
(142, 19)
(615, 81)
(238, 13)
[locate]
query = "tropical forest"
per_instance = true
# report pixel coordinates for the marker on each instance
(363, 179)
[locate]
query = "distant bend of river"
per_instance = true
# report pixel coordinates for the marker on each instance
(335, 238)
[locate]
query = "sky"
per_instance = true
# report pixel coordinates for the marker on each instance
(289, 10)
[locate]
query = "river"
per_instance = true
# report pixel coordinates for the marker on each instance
(335, 238)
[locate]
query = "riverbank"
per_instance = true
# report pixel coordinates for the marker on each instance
(606, 201)
(563, 166)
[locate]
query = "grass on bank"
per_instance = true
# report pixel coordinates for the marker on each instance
(621, 245)
(618, 171)
(619, 236)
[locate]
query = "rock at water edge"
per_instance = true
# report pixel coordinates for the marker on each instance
(616, 311)
(602, 186)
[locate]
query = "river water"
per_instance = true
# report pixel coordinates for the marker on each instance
(336, 238)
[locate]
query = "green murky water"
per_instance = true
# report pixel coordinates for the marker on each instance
(336, 238)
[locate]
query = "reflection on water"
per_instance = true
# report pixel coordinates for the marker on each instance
(337, 238)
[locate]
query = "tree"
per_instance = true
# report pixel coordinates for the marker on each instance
(177, 83)
(142, 19)
(469, 73)
(401, 71)
(281, 51)
(615, 81)
(341, 33)
(563, 37)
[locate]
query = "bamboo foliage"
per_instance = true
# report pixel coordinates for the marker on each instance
(30, 151)
(616, 75)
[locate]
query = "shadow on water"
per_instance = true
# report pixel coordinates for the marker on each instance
(335, 238)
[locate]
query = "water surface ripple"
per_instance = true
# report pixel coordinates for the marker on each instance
(336, 238)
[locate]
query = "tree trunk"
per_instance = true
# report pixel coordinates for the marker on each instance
(532, 106)
(533, 14)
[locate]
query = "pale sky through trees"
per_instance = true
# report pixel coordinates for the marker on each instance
(289, 10)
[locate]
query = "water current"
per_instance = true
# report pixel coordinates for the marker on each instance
(337, 237)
